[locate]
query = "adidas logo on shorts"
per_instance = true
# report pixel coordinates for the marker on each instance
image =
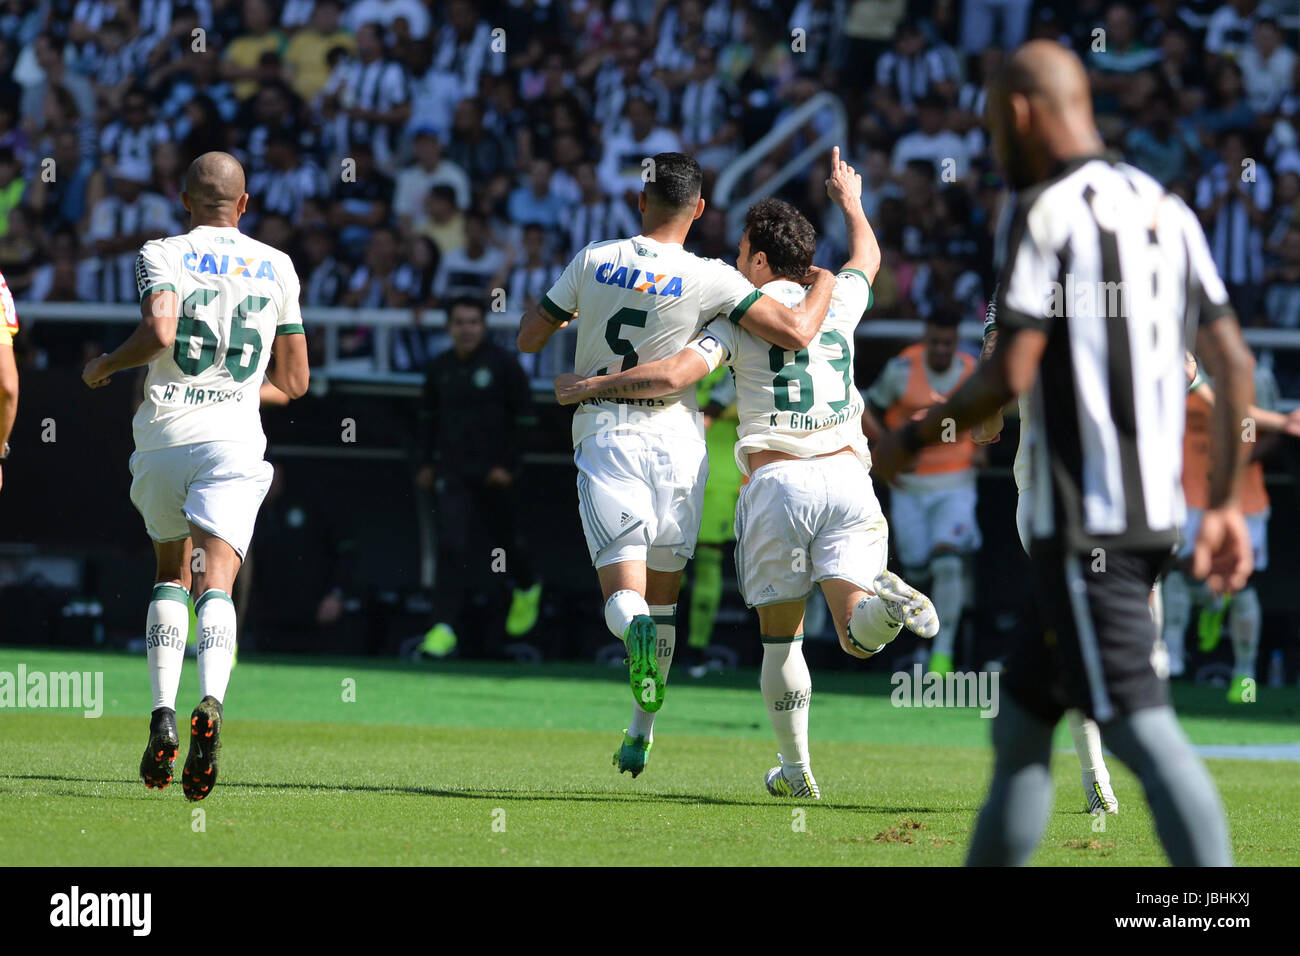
(625, 519)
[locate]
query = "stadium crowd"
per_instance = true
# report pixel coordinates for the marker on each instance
(409, 152)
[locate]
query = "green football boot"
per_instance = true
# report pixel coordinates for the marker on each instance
(1241, 690)
(524, 606)
(643, 663)
(439, 641)
(1209, 625)
(632, 754)
(940, 663)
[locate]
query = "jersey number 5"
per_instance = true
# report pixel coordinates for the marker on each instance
(619, 345)
(195, 350)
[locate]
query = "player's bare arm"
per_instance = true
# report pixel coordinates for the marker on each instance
(151, 338)
(1010, 371)
(536, 328)
(792, 328)
(1266, 420)
(289, 371)
(844, 187)
(989, 430)
(652, 380)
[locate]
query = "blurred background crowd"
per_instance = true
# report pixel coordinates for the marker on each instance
(408, 152)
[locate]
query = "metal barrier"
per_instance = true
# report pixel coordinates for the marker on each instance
(786, 127)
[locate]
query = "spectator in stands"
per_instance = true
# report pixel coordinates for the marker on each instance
(441, 222)
(912, 69)
(931, 141)
(1229, 28)
(120, 223)
(12, 187)
(286, 180)
(362, 200)
(622, 161)
(61, 200)
(473, 147)
(369, 99)
(1123, 54)
(386, 13)
(1267, 67)
(384, 280)
(430, 169)
(464, 45)
(977, 23)
(53, 72)
(1282, 300)
(529, 272)
(708, 113)
(324, 276)
(307, 54)
(468, 271)
(1157, 146)
(244, 52)
(135, 134)
(475, 405)
(597, 216)
(532, 202)
(1233, 200)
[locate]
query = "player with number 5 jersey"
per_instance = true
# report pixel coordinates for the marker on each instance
(642, 462)
(809, 514)
(216, 308)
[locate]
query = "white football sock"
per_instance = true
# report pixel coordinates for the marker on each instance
(1244, 619)
(1087, 744)
(621, 607)
(216, 613)
(665, 618)
(947, 594)
(871, 624)
(167, 625)
(787, 691)
(1177, 603)
(1157, 605)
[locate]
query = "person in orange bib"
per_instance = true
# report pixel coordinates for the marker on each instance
(932, 507)
(1242, 608)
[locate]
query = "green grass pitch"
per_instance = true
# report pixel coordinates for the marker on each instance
(468, 763)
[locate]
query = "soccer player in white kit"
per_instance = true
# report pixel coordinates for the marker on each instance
(642, 461)
(809, 513)
(216, 307)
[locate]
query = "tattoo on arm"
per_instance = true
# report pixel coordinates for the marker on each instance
(990, 343)
(622, 390)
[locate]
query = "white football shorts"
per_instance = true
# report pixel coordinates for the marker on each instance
(925, 520)
(218, 486)
(640, 497)
(800, 521)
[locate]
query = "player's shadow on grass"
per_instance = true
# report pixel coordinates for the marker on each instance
(529, 796)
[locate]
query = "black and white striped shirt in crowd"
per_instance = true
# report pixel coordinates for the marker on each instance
(595, 222)
(379, 85)
(1116, 272)
(284, 190)
(1238, 244)
(912, 77)
(705, 107)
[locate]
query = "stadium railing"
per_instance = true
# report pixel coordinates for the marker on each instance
(730, 179)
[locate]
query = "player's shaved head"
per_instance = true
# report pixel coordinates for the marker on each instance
(1040, 111)
(214, 186)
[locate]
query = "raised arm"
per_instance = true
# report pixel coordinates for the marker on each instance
(845, 190)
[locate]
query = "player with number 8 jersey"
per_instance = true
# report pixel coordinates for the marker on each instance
(216, 307)
(642, 462)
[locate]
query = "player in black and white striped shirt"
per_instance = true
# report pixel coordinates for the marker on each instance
(1105, 275)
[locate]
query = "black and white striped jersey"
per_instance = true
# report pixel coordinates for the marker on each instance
(1118, 274)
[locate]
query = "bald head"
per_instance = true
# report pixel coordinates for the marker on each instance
(1047, 70)
(1040, 112)
(214, 185)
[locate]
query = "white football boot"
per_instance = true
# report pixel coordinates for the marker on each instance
(906, 604)
(789, 782)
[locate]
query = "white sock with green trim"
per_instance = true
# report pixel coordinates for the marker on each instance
(621, 607)
(947, 593)
(216, 613)
(787, 691)
(1244, 620)
(166, 627)
(665, 618)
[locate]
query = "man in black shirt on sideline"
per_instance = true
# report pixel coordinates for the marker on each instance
(476, 397)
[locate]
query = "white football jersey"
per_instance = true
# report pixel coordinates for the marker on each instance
(236, 295)
(802, 403)
(637, 301)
